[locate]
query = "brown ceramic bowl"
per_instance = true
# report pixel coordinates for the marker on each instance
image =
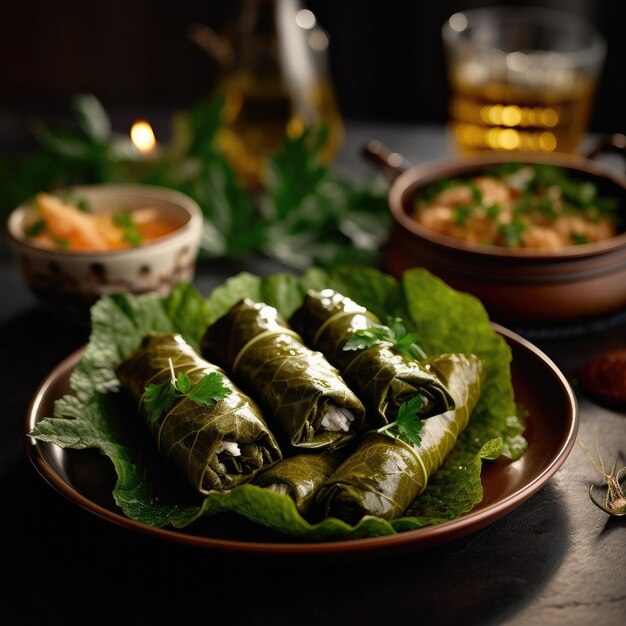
(573, 283)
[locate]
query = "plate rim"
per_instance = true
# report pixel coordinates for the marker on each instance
(423, 537)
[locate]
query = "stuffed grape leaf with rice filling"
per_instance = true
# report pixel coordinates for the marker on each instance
(217, 447)
(385, 474)
(299, 476)
(146, 489)
(381, 377)
(303, 397)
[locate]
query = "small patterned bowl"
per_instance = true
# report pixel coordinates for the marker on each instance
(70, 282)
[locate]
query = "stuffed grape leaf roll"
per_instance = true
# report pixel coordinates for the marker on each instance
(385, 474)
(381, 377)
(217, 447)
(303, 397)
(299, 476)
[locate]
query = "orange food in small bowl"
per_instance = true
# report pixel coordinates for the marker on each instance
(62, 224)
(78, 244)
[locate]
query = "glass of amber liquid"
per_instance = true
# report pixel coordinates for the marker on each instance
(521, 79)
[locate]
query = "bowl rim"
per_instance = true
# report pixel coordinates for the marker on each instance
(183, 201)
(436, 169)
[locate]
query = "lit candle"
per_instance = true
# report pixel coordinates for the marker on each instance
(143, 138)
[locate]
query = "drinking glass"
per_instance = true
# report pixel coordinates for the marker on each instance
(521, 78)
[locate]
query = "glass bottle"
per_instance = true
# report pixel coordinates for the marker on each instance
(274, 76)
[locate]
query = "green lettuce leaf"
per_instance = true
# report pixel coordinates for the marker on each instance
(148, 491)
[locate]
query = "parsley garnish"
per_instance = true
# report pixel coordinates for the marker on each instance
(546, 208)
(493, 211)
(477, 194)
(394, 333)
(512, 232)
(407, 426)
(64, 244)
(81, 204)
(587, 193)
(434, 189)
(130, 230)
(578, 238)
(36, 228)
(160, 398)
(461, 214)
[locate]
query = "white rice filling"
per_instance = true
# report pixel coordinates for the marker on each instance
(230, 447)
(336, 419)
(278, 488)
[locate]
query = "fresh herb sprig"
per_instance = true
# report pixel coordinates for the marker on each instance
(395, 333)
(160, 398)
(408, 425)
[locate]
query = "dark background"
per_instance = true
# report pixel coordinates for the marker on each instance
(135, 55)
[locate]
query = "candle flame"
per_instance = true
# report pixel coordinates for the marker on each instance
(142, 136)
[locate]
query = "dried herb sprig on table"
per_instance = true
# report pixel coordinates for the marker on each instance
(303, 214)
(614, 500)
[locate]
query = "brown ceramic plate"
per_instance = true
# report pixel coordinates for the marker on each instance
(86, 477)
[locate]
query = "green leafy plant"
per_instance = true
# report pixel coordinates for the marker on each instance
(304, 213)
